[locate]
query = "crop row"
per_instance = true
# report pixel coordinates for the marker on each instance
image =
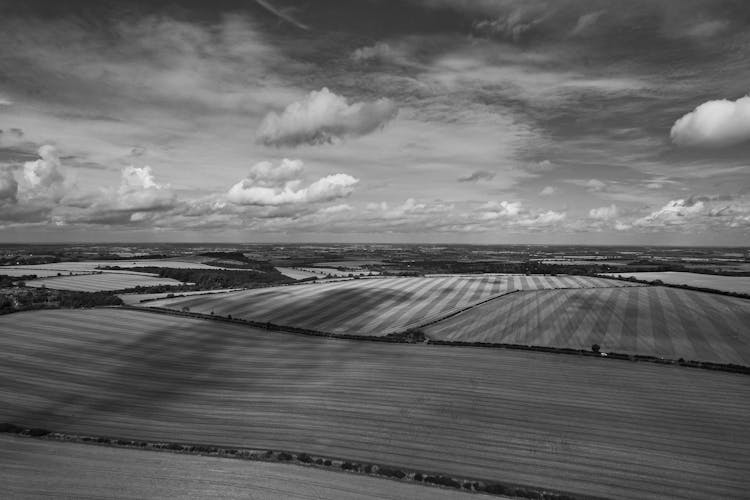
(370, 306)
(656, 321)
(101, 282)
(564, 423)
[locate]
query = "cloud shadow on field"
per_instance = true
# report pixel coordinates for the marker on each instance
(158, 367)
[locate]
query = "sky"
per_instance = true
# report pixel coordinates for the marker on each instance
(415, 121)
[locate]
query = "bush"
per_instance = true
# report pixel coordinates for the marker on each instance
(595, 348)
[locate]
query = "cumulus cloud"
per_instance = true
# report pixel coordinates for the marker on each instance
(585, 22)
(714, 123)
(43, 177)
(604, 213)
(140, 192)
(547, 191)
(8, 186)
(543, 219)
(494, 210)
(324, 117)
(479, 175)
(268, 185)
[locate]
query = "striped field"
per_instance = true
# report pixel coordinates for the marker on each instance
(585, 425)
(100, 282)
(31, 468)
(371, 306)
(655, 321)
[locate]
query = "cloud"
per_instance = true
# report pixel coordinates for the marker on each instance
(585, 22)
(8, 186)
(604, 213)
(479, 175)
(494, 210)
(282, 14)
(378, 52)
(595, 185)
(543, 219)
(43, 177)
(267, 185)
(140, 192)
(4, 101)
(547, 191)
(676, 212)
(714, 123)
(324, 117)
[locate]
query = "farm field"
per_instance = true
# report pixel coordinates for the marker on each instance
(100, 282)
(655, 321)
(296, 273)
(136, 298)
(371, 306)
(738, 284)
(589, 426)
(96, 265)
(39, 468)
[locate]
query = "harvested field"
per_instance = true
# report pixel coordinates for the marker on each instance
(38, 468)
(737, 284)
(656, 321)
(371, 306)
(579, 424)
(100, 282)
(296, 273)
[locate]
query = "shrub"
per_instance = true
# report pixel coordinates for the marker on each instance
(284, 456)
(595, 348)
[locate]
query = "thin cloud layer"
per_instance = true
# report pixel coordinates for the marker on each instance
(272, 186)
(324, 117)
(714, 124)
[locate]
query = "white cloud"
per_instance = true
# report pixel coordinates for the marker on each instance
(43, 178)
(676, 212)
(547, 191)
(543, 219)
(714, 123)
(5, 101)
(324, 117)
(140, 192)
(271, 186)
(478, 175)
(604, 213)
(493, 210)
(595, 185)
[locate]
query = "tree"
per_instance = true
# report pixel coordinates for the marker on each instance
(595, 348)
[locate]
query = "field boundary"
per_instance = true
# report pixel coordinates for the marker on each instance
(413, 337)
(330, 463)
(657, 282)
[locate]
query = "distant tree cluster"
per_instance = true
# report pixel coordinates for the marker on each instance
(209, 279)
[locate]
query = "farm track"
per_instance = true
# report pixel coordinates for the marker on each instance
(371, 307)
(585, 425)
(655, 321)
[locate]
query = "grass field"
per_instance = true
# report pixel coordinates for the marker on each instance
(100, 282)
(738, 284)
(655, 321)
(371, 306)
(586, 425)
(36, 468)
(136, 298)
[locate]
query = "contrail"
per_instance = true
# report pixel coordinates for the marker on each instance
(270, 8)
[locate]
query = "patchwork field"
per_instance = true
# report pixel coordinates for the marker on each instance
(132, 299)
(371, 306)
(585, 425)
(738, 284)
(655, 321)
(95, 265)
(100, 282)
(33, 468)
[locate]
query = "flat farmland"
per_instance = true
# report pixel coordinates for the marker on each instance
(738, 284)
(100, 282)
(585, 425)
(95, 265)
(371, 306)
(37, 468)
(657, 321)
